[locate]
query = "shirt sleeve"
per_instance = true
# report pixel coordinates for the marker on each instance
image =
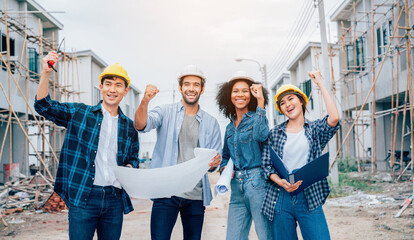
(266, 161)
(261, 126)
(325, 132)
(216, 139)
(226, 153)
(59, 113)
(154, 119)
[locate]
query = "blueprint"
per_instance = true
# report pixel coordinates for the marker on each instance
(166, 181)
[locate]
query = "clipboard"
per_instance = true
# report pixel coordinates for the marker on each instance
(312, 172)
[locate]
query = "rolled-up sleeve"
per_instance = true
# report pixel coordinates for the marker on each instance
(261, 126)
(59, 113)
(325, 132)
(154, 119)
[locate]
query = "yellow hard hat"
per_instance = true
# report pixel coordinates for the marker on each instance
(115, 70)
(291, 88)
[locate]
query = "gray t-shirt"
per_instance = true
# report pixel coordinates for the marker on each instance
(187, 141)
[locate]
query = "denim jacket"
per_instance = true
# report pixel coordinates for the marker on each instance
(244, 144)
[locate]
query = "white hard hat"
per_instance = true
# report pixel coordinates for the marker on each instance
(241, 75)
(192, 70)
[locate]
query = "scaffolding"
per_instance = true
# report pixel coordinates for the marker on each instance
(366, 71)
(35, 128)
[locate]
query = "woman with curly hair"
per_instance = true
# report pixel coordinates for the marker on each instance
(242, 101)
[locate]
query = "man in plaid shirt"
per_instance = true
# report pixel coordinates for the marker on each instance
(85, 179)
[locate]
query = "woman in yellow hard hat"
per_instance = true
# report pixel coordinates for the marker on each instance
(298, 141)
(242, 101)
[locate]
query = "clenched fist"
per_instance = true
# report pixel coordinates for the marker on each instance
(150, 92)
(52, 56)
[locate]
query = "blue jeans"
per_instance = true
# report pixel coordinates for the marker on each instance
(164, 215)
(291, 210)
(104, 213)
(248, 189)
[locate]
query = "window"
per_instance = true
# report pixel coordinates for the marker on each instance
(96, 95)
(360, 55)
(379, 45)
(4, 49)
(350, 56)
(33, 63)
(383, 37)
(390, 27)
(306, 87)
(4, 44)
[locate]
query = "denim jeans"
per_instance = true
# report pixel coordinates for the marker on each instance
(164, 215)
(103, 213)
(291, 210)
(248, 189)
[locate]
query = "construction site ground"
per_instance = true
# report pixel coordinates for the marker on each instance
(355, 215)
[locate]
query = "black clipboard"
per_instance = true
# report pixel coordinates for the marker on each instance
(312, 172)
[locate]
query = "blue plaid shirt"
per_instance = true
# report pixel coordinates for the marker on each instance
(76, 171)
(318, 134)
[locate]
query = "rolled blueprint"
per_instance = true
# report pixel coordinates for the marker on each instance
(166, 181)
(223, 184)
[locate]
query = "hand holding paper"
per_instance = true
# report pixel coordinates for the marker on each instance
(223, 184)
(167, 181)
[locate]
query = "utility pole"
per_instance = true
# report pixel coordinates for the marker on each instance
(327, 77)
(263, 70)
(269, 111)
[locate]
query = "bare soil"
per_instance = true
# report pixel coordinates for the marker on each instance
(357, 216)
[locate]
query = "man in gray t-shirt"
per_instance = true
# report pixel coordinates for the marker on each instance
(187, 141)
(181, 127)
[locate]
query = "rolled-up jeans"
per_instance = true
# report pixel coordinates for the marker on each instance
(248, 189)
(103, 213)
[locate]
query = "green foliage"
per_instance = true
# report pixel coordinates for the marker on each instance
(347, 164)
(347, 185)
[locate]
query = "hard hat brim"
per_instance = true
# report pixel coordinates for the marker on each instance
(282, 91)
(241, 78)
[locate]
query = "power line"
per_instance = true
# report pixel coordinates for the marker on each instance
(294, 36)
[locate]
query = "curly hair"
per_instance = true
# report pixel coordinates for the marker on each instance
(223, 98)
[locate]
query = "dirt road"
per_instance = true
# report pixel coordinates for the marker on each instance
(358, 216)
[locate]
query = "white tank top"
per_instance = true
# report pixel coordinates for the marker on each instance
(295, 151)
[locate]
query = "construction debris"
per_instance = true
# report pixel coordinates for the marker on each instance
(361, 200)
(54, 204)
(404, 205)
(29, 193)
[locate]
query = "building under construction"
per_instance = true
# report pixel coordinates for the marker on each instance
(28, 142)
(376, 78)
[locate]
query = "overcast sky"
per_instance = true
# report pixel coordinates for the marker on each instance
(155, 39)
